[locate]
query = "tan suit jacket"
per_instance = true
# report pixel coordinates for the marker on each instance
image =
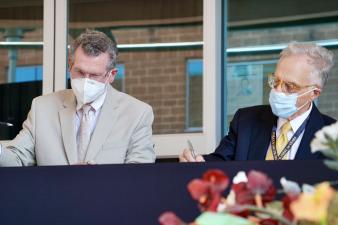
(122, 134)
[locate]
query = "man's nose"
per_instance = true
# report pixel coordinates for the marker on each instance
(279, 87)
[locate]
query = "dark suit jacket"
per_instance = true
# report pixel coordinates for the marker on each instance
(250, 134)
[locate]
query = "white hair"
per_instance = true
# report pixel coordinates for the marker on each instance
(320, 58)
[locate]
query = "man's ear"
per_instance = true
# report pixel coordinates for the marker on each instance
(316, 93)
(112, 75)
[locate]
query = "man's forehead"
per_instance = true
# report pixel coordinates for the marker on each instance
(90, 64)
(294, 68)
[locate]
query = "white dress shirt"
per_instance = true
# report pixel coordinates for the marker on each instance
(295, 124)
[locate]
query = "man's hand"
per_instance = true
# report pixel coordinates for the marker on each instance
(186, 156)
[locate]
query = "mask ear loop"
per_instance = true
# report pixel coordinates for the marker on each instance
(109, 73)
(305, 94)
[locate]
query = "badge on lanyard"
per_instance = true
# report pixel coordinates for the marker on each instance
(289, 144)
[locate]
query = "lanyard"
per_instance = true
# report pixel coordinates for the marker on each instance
(289, 144)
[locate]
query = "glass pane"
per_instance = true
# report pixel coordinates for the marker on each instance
(253, 39)
(153, 73)
(21, 37)
(194, 95)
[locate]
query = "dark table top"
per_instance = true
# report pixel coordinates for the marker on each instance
(122, 194)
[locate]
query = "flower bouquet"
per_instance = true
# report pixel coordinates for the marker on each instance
(252, 196)
(251, 200)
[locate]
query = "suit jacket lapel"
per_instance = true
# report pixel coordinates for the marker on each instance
(315, 123)
(104, 124)
(67, 121)
(261, 135)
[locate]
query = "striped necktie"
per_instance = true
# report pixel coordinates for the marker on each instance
(85, 132)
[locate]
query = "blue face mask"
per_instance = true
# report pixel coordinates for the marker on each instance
(283, 105)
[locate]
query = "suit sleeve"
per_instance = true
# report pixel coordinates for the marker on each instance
(226, 149)
(20, 151)
(141, 149)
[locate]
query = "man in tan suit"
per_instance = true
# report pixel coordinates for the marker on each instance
(91, 124)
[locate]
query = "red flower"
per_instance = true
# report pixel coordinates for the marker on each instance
(270, 194)
(198, 188)
(243, 194)
(268, 222)
(207, 191)
(287, 200)
(218, 180)
(258, 184)
(169, 218)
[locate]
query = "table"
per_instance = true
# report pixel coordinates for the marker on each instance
(122, 194)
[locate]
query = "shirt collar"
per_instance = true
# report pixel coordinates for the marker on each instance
(96, 105)
(296, 122)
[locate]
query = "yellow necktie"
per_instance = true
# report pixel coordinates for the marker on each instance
(281, 142)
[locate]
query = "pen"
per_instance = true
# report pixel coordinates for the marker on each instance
(193, 153)
(6, 124)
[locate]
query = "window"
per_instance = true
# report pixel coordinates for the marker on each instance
(118, 83)
(255, 38)
(247, 84)
(155, 39)
(194, 87)
(28, 73)
(21, 29)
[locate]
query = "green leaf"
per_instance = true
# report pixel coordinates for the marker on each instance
(275, 206)
(332, 164)
(209, 218)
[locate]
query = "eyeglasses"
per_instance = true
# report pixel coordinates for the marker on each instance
(287, 87)
(80, 74)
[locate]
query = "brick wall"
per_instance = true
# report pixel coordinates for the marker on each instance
(158, 77)
(163, 86)
(159, 34)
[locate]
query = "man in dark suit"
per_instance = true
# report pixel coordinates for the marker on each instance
(284, 129)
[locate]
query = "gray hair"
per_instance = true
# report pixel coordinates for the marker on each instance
(94, 43)
(320, 58)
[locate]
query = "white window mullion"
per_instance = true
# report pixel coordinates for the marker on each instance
(212, 58)
(61, 30)
(171, 145)
(48, 46)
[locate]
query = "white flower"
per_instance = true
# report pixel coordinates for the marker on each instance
(290, 186)
(331, 130)
(221, 207)
(307, 188)
(231, 198)
(320, 142)
(240, 177)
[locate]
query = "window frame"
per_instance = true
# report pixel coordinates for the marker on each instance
(167, 145)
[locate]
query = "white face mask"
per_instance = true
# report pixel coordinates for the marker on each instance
(87, 90)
